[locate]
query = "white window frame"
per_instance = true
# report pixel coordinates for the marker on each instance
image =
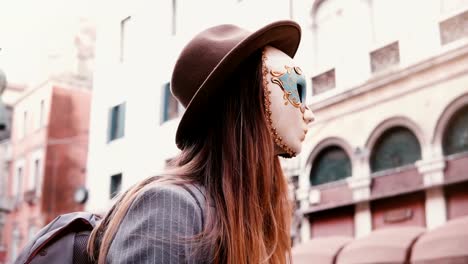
(37, 155)
(18, 185)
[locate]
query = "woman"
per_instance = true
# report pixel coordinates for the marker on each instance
(224, 199)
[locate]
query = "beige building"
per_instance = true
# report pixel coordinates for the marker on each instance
(390, 93)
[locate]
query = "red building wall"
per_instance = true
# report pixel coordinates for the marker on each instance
(457, 200)
(26, 139)
(67, 151)
(396, 182)
(456, 195)
(403, 210)
(457, 168)
(64, 141)
(334, 222)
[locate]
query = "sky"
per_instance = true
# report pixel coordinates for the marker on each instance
(31, 32)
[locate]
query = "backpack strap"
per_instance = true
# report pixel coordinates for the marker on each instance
(80, 253)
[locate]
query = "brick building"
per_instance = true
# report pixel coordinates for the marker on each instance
(49, 143)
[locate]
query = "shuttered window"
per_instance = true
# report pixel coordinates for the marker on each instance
(116, 127)
(115, 184)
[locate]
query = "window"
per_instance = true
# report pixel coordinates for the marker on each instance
(454, 28)
(18, 185)
(456, 134)
(115, 184)
(170, 105)
(34, 176)
(124, 37)
(116, 125)
(397, 147)
(331, 164)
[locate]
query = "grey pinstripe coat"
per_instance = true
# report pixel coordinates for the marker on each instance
(156, 224)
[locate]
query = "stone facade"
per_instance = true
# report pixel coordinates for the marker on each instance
(421, 97)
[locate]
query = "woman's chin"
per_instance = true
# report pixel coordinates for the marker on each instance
(281, 152)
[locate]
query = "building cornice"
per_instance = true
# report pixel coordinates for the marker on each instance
(384, 79)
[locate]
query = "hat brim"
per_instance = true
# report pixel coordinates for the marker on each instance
(283, 35)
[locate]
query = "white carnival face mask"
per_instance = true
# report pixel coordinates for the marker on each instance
(285, 94)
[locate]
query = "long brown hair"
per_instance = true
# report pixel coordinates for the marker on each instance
(233, 157)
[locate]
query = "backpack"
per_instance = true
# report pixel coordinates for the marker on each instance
(63, 240)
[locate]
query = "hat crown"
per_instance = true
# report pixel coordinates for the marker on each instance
(208, 60)
(201, 55)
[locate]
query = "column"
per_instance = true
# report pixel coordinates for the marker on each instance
(433, 177)
(362, 219)
(302, 195)
(360, 184)
(362, 214)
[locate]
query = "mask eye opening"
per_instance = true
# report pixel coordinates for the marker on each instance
(299, 91)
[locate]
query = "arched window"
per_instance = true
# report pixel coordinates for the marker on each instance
(456, 134)
(397, 147)
(331, 164)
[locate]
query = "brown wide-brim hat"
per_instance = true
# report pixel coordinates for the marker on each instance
(211, 57)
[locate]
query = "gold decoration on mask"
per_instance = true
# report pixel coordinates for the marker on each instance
(276, 73)
(267, 102)
(298, 70)
(287, 95)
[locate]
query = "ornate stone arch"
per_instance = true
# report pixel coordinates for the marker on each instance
(394, 122)
(385, 126)
(329, 141)
(450, 110)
